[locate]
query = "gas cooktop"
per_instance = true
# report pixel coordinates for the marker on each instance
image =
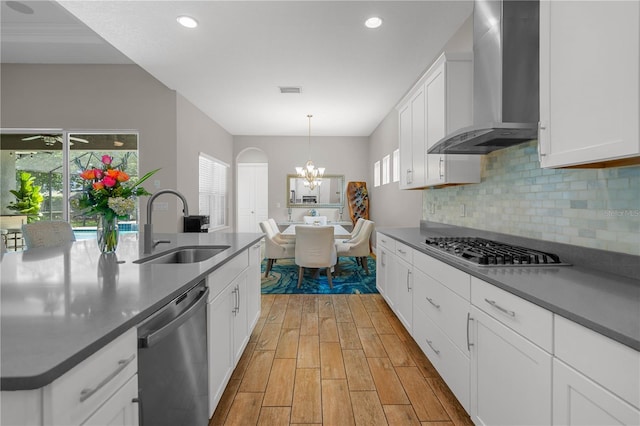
(481, 252)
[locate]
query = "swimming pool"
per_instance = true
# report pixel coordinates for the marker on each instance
(89, 233)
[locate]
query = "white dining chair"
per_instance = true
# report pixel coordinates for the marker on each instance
(315, 248)
(358, 246)
(48, 233)
(276, 247)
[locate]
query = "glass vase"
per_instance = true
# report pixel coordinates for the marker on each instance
(107, 233)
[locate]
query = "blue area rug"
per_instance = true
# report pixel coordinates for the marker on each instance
(283, 279)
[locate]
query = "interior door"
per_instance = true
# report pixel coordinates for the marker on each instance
(252, 196)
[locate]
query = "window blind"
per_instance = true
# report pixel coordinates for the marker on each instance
(212, 200)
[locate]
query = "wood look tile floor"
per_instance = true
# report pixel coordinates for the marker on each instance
(334, 360)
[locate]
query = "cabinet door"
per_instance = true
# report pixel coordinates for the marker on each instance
(119, 410)
(579, 401)
(219, 333)
(240, 316)
(418, 139)
(254, 291)
(403, 282)
(436, 123)
(510, 376)
(404, 136)
(382, 260)
(589, 81)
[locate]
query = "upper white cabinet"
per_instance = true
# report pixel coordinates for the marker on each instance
(437, 105)
(448, 91)
(412, 141)
(589, 83)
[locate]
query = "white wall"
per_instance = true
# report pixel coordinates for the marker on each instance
(198, 133)
(346, 156)
(390, 206)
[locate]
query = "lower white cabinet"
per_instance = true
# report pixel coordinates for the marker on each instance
(595, 380)
(119, 409)
(232, 304)
(510, 376)
(385, 247)
(402, 280)
(579, 401)
(254, 290)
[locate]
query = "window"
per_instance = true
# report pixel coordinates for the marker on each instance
(212, 190)
(376, 174)
(396, 165)
(385, 169)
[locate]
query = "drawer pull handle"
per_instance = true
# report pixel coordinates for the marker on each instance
(500, 308)
(469, 319)
(122, 364)
(402, 251)
(431, 346)
(433, 303)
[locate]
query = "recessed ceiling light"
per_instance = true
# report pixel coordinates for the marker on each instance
(373, 22)
(187, 21)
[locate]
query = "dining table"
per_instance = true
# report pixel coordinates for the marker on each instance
(338, 231)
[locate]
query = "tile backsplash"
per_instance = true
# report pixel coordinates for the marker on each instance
(596, 208)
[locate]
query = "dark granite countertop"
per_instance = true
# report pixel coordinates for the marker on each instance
(595, 298)
(60, 305)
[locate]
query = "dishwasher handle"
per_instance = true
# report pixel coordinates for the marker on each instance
(156, 336)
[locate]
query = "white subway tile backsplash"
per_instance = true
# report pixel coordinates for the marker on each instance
(596, 208)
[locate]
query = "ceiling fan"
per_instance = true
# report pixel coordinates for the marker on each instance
(50, 140)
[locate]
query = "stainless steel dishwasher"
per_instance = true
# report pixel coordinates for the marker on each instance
(172, 362)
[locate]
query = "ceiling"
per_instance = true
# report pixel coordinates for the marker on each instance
(232, 65)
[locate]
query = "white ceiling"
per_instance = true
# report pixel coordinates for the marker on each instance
(232, 65)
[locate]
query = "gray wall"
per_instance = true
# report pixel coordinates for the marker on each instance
(346, 156)
(116, 97)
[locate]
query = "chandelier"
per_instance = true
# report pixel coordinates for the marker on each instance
(312, 176)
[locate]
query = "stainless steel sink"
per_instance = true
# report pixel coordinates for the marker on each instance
(185, 254)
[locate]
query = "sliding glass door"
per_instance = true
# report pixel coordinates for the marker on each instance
(43, 165)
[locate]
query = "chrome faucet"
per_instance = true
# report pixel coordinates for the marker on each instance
(149, 243)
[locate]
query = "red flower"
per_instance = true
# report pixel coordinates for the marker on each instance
(109, 181)
(107, 159)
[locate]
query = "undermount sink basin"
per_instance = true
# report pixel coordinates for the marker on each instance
(187, 254)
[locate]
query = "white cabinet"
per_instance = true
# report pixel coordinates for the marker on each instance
(119, 409)
(402, 281)
(595, 379)
(579, 401)
(438, 104)
(385, 247)
(232, 305)
(412, 135)
(440, 320)
(448, 89)
(589, 82)
(510, 374)
(254, 290)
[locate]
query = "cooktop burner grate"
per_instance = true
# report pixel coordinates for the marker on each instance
(491, 253)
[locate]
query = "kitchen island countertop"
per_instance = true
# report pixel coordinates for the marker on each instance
(60, 305)
(606, 303)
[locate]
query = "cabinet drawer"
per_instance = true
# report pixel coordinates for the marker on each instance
(453, 278)
(607, 362)
(529, 320)
(221, 277)
(404, 252)
(386, 242)
(81, 391)
(450, 362)
(444, 307)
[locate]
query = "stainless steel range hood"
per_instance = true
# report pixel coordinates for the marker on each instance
(505, 79)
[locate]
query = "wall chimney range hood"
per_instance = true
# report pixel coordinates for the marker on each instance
(505, 79)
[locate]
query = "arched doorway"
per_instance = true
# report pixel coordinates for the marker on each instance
(252, 192)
